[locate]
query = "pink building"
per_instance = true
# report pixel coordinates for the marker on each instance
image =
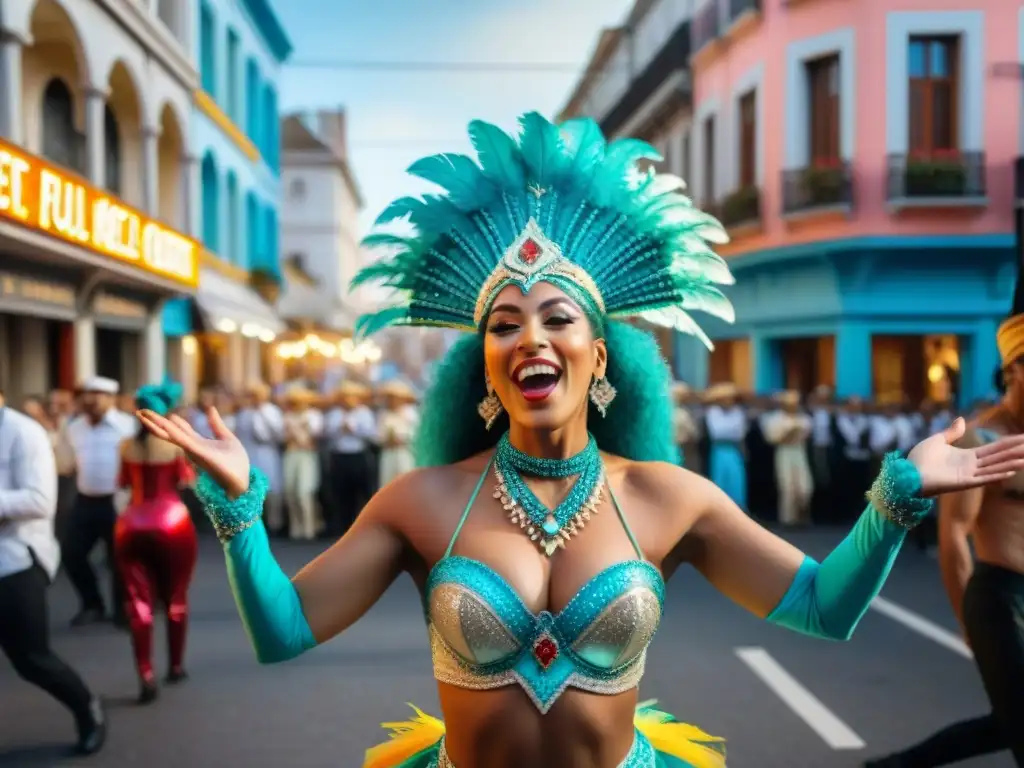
(861, 155)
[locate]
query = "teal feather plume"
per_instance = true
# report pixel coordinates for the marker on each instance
(467, 187)
(543, 151)
(633, 231)
(500, 159)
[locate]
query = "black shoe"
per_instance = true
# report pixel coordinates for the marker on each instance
(176, 676)
(148, 692)
(88, 616)
(92, 729)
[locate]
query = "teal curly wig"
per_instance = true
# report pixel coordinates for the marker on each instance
(159, 398)
(638, 425)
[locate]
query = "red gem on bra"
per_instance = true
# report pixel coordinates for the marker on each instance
(545, 650)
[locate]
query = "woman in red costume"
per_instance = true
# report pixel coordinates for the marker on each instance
(155, 540)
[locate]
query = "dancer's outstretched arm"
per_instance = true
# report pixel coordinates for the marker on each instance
(773, 579)
(285, 617)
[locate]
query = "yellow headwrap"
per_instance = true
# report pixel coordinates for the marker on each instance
(1010, 339)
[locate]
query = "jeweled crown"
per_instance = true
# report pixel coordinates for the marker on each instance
(559, 204)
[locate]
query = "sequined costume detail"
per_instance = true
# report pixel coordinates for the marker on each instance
(155, 547)
(483, 636)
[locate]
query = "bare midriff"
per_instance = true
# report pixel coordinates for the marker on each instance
(502, 728)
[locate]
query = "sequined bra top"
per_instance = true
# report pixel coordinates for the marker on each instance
(482, 635)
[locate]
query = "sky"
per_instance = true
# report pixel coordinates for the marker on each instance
(396, 117)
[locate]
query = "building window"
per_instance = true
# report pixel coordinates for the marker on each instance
(748, 139)
(252, 100)
(61, 142)
(252, 230)
(207, 50)
(823, 98)
(111, 151)
(234, 100)
(710, 192)
(932, 66)
(233, 232)
(211, 205)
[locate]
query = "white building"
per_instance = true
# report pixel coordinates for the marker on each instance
(96, 180)
(319, 222)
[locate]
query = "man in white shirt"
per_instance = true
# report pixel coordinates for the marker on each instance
(95, 437)
(29, 557)
(350, 428)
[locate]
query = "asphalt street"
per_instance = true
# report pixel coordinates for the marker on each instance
(781, 700)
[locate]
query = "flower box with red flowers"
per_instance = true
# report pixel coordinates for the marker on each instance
(824, 181)
(938, 173)
(741, 207)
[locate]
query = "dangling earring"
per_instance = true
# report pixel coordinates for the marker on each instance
(490, 407)
(601, 395)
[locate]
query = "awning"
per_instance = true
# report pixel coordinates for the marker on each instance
(228, 306)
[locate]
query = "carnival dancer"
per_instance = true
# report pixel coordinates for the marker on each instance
(986, 590)
(155, 541)
(533, 252)
(788, 429)
(727, 429)
(397, 425)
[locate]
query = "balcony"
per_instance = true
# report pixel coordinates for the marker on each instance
(740, 210)
(706, 26)
(661, 87)
(818, 188)
(741, 9)
(938, 179)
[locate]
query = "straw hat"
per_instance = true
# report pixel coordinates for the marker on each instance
(788, 397)
(258, 389)
(399, 389)
(352, 388)
(724, 391)
(300, 395)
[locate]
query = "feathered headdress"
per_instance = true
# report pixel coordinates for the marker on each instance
(159, 398)
(559, 205)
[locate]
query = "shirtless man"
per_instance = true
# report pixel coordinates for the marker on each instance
(987, 596)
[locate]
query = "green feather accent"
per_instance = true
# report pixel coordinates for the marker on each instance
(634, 232)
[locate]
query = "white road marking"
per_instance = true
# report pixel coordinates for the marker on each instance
(832, 730)
(922, 626)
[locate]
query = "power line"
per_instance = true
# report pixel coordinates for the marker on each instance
(471, 67)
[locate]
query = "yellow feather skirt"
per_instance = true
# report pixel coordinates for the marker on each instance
(415, 743)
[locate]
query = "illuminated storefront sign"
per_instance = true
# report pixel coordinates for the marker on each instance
(51, 200)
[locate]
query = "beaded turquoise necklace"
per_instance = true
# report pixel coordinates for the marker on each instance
(550, 528)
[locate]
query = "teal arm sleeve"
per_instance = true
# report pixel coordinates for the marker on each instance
(267, 600)
(827, 600)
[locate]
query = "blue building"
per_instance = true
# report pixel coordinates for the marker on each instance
(240, 48)
(864, 315)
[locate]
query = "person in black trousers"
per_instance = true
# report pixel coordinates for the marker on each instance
(29, 557)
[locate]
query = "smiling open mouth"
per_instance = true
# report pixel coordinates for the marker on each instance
(537, 380)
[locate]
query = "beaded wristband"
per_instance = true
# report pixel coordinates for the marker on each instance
(232, 516)
(896, 492)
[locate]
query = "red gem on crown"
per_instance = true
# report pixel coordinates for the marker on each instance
(529, 252)
(545, 651)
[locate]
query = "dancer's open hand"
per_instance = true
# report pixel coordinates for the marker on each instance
(945, 468)
(223, 457)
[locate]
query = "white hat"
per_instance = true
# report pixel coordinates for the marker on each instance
(101, 384)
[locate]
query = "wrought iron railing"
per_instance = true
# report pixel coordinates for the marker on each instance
(936, 174)
(819, 185)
